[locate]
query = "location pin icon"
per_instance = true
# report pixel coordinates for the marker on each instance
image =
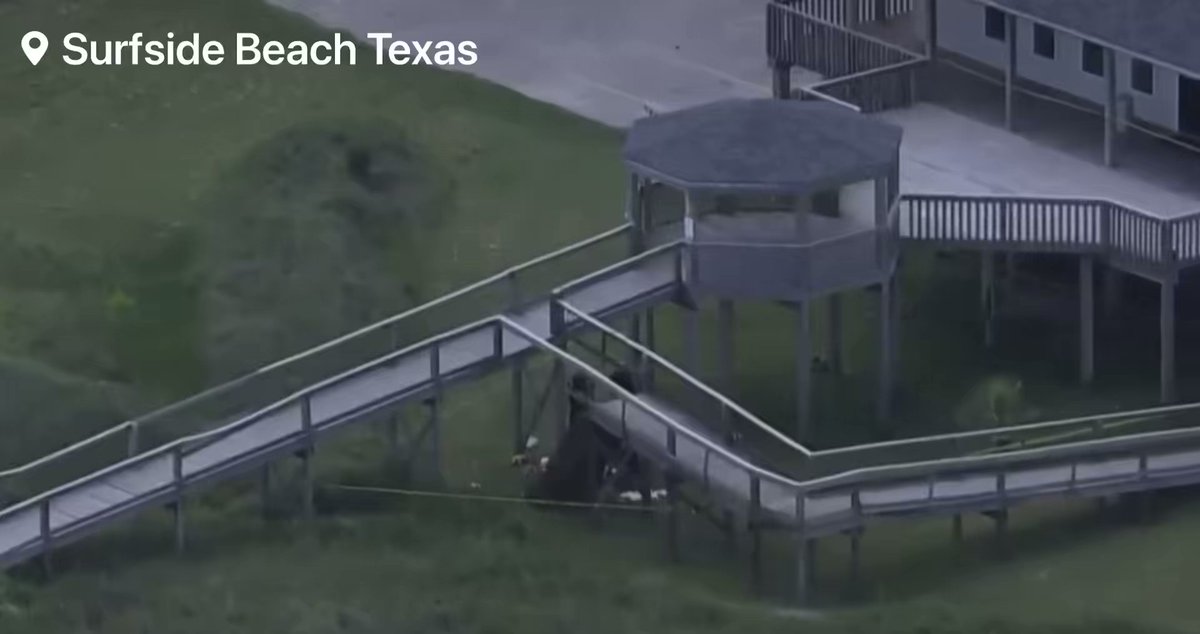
(35, 45)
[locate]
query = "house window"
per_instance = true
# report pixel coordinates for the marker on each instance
(1043, 41)
(1093, 58)
(1141, 76)
(993, 23)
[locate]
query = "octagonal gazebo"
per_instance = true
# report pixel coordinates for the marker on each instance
(784, 201)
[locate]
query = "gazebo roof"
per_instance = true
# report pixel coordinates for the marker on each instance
(761, 145)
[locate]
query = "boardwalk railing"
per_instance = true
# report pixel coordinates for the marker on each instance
(859, 71)
(830, 503)
(56, 527)
(1130, 236)
(787, 456)
(722, 416)
(508, 290)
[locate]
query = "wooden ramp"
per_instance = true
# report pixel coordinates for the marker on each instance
(849, 500)
(161, 476)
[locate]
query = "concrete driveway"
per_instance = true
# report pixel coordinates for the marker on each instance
(607, 60)
(611, 60)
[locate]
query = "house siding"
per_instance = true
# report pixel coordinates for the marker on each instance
(960, 30)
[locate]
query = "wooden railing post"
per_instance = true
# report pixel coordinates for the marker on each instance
(514, 291)
(177, 484)
(1002, 515)
(47, 537)
(558, 318)
(560, 398)
(435, 405)
(498, 340)
(131, 440)
(518, 404)
(394, 333)
(306, 426)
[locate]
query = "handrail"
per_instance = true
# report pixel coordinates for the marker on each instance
(70, 449)
(628, 396)
(1050, 198)
(1163, 250)
(1082, 449)
(615, 268)
(810, 90)
(249, 419)
(341, 377)
(271, 367)
(687, 377)
(498, 321)
(1096, 419)
(902, 469)
(917, 60)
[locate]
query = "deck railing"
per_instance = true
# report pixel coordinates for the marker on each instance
(1159, 246)
(859, 71)
(837, 11)
(871, 91)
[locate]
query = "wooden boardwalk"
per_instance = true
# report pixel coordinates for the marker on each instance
(847, 501)
(685, 445)
(148, 480)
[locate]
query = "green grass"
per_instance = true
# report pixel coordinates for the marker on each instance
(105, 171)
(109, 182)
(446, 566)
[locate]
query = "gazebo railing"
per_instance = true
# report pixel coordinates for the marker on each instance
(769, 270)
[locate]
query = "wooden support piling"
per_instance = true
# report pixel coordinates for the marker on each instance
(835, 334)
(803, 372)
(1167, 342)
(988, 297)
(1087, 320)
(855, 574)
(518, 405)
(1001, 520)
(264, 490)
(725, 345)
